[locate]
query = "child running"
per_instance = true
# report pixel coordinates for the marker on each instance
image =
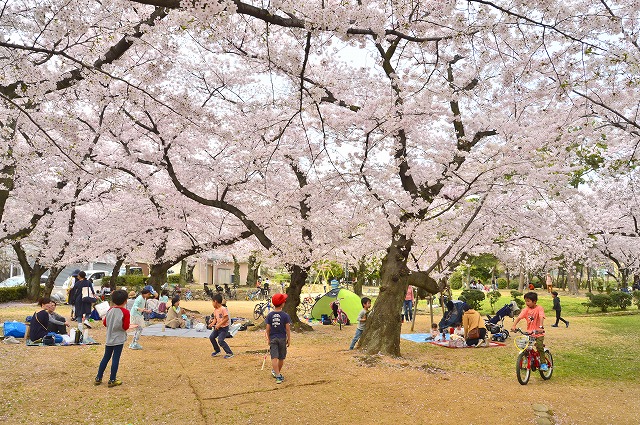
(362, 319)
(278, 332)
(220, 324)
(534, 315)
(117, 322)
(558, 309)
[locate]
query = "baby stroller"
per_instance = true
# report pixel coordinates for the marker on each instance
(452, 316)
(495, 324)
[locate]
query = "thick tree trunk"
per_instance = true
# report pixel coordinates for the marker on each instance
(252, 273)
(113, 280)
(158, 275)
(362, 270)
(382, 331)
(508, 276)
(571, 278)
(54, 272)
(521, 279)
(298, 279)
(183, 273)
(236, 271)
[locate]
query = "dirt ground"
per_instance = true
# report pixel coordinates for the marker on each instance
(176, 381)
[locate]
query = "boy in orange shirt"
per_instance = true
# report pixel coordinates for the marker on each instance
(220, 324)
(534, 315)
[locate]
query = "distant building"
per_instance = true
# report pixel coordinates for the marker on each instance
(217, 269)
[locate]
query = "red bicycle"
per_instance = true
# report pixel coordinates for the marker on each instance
(529, 359)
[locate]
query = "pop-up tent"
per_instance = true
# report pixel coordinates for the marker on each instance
(349, 303)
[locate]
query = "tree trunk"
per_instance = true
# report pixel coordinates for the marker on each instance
(589, 279)
(115, 272)
(521, 279)
(508, 276)
(31, 274)
(54, 272)
(571, 278)
(183, 273)
(158, 275)
(298, 279)
(382, 332)
(236, 271)
(252, 273)
(362, 270)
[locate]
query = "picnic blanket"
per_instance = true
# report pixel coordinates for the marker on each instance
(423, 338)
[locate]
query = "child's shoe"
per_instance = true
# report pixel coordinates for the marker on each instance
(97, 381)
(228, 356)
(279, 379)
(544, 367)
(273, 373)
(114, 383)
(135, 346)
(554, 326)
(215, 353)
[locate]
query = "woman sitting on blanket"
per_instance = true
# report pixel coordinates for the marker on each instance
(174, 315)
(40, 321)
(471, 320)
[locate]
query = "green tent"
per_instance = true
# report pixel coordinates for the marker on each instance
(349, 303)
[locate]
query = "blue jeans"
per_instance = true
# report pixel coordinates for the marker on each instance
(220, 334)
(356, 337)
(408, 310)
(110, 350)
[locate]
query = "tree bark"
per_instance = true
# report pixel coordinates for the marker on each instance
(382, 331)
(236, 271)
(183, 273)
(298, 279)
(158, 274)
(54, 272)
(115, 272)
(359, 282)
(252, 273)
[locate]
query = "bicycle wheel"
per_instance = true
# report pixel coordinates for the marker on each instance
(547, 373)
(257, 311)
(522, 368)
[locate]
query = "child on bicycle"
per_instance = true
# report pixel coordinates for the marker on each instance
(362, 320)
(534, 315)
(278, 332)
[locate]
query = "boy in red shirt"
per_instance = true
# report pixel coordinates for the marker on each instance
(534, 315)
(220, 324)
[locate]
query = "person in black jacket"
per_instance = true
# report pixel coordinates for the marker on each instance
(84, 291)
(40, 321)
(558, 309)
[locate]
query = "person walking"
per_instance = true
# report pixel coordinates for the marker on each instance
(117, 321)
(408, 304)
(558, 309)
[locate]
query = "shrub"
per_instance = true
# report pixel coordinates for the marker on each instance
(455, 281)
(173, 278)
(517, 297)
(494, 296)
(620, 299)
(473, 297)
(13, 293)
(602, 301)
(636, 298)
(502, 283)
(513, 285)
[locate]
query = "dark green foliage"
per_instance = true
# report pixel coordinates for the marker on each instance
(473, 297)
(601, 301)
(502, 283)
(636, 298)
(13, 293)
(517, 297)
(620, 299)
(513, 285)
(173, 278)
(455, 281)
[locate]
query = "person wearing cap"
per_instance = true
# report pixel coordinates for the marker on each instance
(278, 333)
(137, 315)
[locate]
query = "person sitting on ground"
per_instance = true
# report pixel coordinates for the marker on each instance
(434, 335)
(458, 330)
(57, 323)
(38, 326)
(472, 320)
(174, 315)
(164, 299)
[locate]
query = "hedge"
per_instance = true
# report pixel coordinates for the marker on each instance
(13, 293)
